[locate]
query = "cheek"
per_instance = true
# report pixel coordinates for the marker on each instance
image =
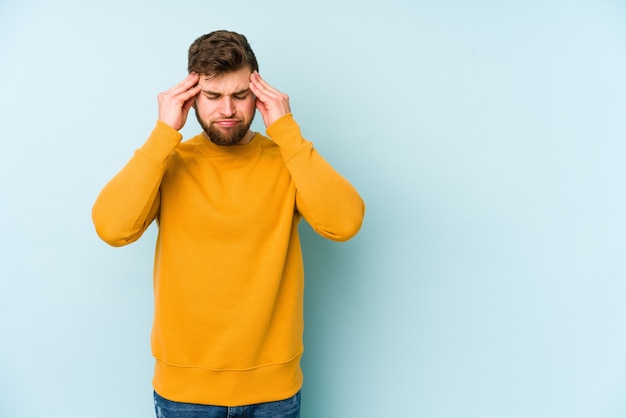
(204, 106)
(249, 107)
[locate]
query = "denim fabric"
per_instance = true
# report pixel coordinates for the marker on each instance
(288, 408)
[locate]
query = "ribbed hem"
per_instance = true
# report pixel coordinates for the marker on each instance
(228, 387)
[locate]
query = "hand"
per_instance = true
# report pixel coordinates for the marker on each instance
(174, 104)
(270, 102)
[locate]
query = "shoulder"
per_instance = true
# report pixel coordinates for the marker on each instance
(189, 147)
(265, 143)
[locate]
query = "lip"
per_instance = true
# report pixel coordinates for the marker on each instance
(227, 123)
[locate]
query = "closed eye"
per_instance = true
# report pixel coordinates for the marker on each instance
(238, 95)
(212, 96)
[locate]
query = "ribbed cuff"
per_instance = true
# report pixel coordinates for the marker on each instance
(161, 142)
(285, 132)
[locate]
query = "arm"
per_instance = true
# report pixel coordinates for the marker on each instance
(129, 203)
(328, 202)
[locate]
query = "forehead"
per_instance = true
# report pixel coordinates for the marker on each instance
(226, 83)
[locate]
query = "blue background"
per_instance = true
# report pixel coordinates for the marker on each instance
(486, 137)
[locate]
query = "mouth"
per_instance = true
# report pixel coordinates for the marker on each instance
(226, 123)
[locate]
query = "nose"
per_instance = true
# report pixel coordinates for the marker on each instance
(228, 106)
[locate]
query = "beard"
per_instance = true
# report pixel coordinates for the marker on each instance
(229, 137)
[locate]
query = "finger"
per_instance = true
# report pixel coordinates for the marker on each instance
(192, 78)
(187, 106)
(263, 111)
(255, 90)
(261, 106)
(264, 94)
(192, 92)
(189, 102)
(187, 95)
(262, 86)
(187, 83)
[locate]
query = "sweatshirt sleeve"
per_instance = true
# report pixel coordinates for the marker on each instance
(129, 202)
(328, 202)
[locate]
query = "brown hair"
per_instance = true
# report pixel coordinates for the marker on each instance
(220, 52)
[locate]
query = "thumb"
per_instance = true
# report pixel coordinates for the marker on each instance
(188, 104)
(263, 110)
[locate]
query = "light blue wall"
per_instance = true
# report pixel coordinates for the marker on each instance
(488, 139)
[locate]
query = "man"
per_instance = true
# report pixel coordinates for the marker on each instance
(228, 273)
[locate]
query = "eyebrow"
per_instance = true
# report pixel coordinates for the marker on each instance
(237, 93)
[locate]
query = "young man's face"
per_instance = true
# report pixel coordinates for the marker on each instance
(225, 107)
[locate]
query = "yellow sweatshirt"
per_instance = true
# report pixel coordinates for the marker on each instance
(228, 269)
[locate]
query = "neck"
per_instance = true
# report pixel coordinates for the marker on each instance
(247, 138)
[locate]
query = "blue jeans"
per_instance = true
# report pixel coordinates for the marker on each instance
(288, 408)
